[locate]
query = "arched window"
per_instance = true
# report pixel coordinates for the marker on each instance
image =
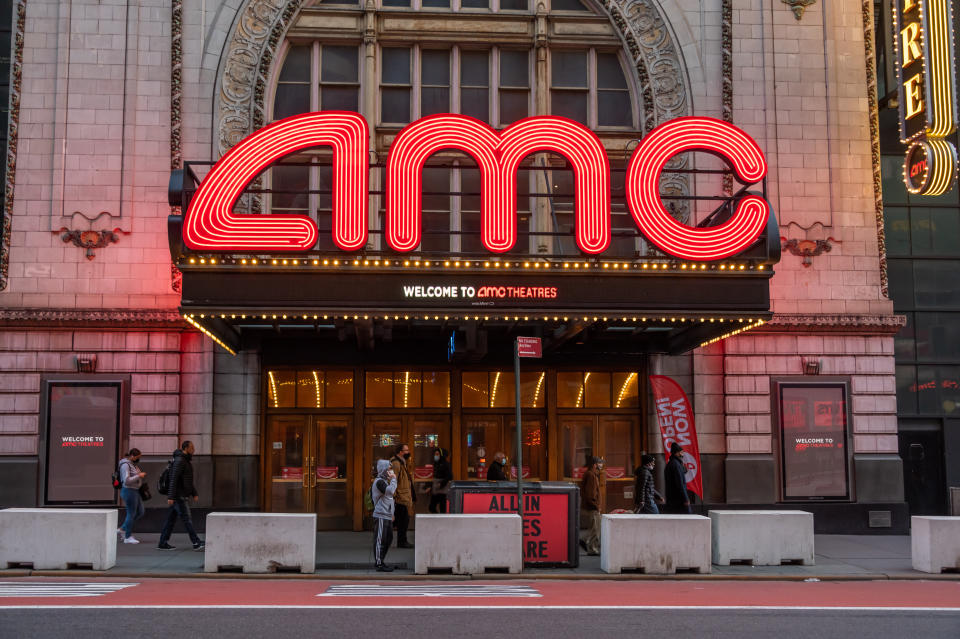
(496, 60)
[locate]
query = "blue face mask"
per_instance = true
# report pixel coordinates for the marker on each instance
(436, 458)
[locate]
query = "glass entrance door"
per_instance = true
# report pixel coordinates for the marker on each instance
(607, 436)
(309, 467)
(423, 433)
(488, 435)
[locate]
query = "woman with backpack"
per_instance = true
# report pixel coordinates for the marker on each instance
(131, 479)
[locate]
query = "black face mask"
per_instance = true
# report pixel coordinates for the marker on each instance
(406, 455)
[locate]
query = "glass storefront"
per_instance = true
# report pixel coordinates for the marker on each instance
(325, 431)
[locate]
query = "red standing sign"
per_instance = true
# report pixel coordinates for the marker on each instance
(675, 416)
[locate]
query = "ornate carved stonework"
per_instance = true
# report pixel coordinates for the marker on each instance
(860, 324)
(90, 239)
(798, 6)
(807, 249)
(176, 107)
(250, 50)
(89, 317)
(726, 51)
(871, 65)
(16, 82)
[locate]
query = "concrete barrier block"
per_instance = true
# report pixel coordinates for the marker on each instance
(58, 538)
(655, 544)
(468, 544)
(935, 543)
(261, 542)
(762, 537)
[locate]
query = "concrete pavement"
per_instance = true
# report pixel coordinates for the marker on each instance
(348, 555)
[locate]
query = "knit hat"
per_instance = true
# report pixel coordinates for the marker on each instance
(675, 448)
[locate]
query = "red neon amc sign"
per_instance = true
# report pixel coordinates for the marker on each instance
(211, 225)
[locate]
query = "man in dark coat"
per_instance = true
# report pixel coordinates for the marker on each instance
(497, 470)
(675, 476)
(179, 492)
(442, 474)
(590, 502)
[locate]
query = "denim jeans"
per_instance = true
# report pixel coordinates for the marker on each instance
(181, 508)
(131, 499)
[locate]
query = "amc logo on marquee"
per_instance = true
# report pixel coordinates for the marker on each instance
(211, 225)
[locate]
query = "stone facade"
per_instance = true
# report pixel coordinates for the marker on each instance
(95, 149)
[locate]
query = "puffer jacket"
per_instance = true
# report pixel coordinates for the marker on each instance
(181, 477)
(404, 494)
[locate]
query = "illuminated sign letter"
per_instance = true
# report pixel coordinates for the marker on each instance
(210, 223)
(498, 157)
(643, 188)
(913, 101)
(911, 48)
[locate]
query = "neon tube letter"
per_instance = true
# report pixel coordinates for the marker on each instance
(643, 188)
(210, 224)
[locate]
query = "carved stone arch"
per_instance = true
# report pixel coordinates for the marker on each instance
(260, 26)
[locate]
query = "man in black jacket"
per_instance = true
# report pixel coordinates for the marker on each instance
(675, 476)
(179, 492)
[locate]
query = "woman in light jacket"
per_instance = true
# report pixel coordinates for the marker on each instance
(131, 478)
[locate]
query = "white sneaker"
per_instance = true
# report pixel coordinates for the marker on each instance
(131, 540)
(120, 533)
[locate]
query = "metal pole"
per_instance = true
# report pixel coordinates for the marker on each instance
(519, 457)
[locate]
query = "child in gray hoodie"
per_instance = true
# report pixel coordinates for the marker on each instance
(384, 486)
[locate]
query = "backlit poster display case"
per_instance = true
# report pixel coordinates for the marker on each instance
(814, 426)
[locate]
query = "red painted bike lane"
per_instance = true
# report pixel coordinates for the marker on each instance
(943, 594)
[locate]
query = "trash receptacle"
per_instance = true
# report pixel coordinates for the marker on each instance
(551, 516)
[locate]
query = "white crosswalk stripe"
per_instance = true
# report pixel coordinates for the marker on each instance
(438, 590)
(58, 589)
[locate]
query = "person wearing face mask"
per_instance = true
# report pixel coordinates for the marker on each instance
(497, 470)
(405, 495)
(442, 474)
(590, 498)
(645, 495)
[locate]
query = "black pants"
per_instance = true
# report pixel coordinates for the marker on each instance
(438, 503)
(402, 520)
(382, 536)
(181, 508)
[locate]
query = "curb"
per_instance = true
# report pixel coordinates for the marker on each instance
(483, 577)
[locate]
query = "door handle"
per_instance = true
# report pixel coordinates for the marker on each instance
(305, 469)
(313, 473)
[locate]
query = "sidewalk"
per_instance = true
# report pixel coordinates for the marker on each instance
(348, 555)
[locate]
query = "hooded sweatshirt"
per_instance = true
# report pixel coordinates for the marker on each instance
(382, 491)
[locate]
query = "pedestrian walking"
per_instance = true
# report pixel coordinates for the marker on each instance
(405, 495)
(590, 498)
(497, 470)
(675, 476)
(645, 495)
(131, 479)
(179, 492)
(382, 493)
(442, 474)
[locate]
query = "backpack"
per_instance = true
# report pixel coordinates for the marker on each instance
(163, 483)
(115, 479)
(368, 500)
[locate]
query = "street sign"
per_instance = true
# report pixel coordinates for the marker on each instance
(529, 347)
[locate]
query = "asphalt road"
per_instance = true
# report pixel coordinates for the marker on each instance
(476, 623)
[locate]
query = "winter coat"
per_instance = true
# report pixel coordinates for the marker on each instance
(496, 472)
(382, 491)
(676, 482)
(645, 492)
(590, 490)
(181, 477)
(442, 474)
(404, 495)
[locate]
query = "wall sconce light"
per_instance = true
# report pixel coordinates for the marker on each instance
(86, 363)
(811, 366)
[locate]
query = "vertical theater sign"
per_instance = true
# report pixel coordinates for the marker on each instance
(926, 80)
(691, 284)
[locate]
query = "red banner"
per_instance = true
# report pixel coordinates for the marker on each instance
(675, 416)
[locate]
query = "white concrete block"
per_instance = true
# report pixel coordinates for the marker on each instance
(935, 543)
(657, 544)
(468, 544)
(261, 542)
(762, 537)
(58, 538)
